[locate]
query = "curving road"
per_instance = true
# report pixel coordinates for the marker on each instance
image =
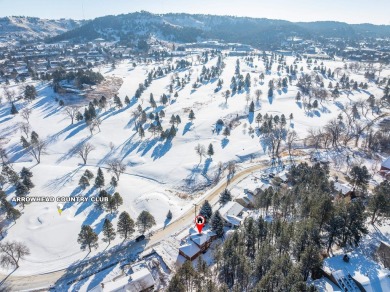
(44, 281)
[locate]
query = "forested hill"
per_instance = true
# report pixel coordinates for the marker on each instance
(190, 28)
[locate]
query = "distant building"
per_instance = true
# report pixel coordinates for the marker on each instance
(386, 165)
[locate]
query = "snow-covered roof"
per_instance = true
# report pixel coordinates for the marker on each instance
(386, 163)
(199, 238)
(189, 249)
(112, 286)
(202, 238)
(246, 197)
(230, 209)
(343, 188)
(233, 220)
(140, 281)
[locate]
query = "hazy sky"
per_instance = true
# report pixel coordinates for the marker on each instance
(351, 11)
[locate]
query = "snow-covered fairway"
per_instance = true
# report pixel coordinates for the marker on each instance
(157, 171)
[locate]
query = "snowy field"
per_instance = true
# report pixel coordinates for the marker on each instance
(158, 172)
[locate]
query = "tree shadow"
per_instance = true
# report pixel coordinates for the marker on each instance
(79, 127)
(74, 193)
(162, 149)
(270, 99)
(3, 286)
(224, 142)
(99, 266)
(92, 216)
(146, 146)
(207, 165)
(5, 120)
(251, 117)
(339, 105)
(299, 104)
(72, 151)
(57, 184)
(187, 128)
(86, 204)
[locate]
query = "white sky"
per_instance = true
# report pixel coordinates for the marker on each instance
(351, 11)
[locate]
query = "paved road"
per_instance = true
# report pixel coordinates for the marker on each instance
(42, 281)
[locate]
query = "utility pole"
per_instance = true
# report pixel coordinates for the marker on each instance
(195, 209)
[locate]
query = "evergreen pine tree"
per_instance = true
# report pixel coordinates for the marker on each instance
(28, 183)
(210, 150)
(125, 227)
(127, 100)
(88, 174)
(25, 172)
(145, 221)
(117, 199)
(25, 143)
(206, 211)
(84, 182)
(252, 107)
(99, 181)
(169, 215)
(191, 116)
(117, 101)
(102, 200)
(108, 231)
(114, 182)
(226, 132)
(14, 111)
(87, 238)
(225, 196)
(10, 211)
(217, 224)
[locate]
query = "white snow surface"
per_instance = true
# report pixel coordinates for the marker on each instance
(156, 171)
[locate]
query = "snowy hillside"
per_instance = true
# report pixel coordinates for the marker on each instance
(31, 27)
(181, 27)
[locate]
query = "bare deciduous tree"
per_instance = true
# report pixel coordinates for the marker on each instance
(292, 137)
(84, 151)
(201, 151)
(26, 113)
(117, 167)
(9, 94)
(25, 128)
(36, 149)
(12, 252)
(71, 112)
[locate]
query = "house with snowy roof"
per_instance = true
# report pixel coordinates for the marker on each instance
(196, 244)
(139, 281)
(385, 166)
(232, 213)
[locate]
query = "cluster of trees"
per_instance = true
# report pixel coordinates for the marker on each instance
(155, 127)
(201, 151)
(281, 254)
(22, 183)
(88, 238)
(79, 78)
(273, 130)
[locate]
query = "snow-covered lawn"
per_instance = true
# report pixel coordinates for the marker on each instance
(158, 173)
